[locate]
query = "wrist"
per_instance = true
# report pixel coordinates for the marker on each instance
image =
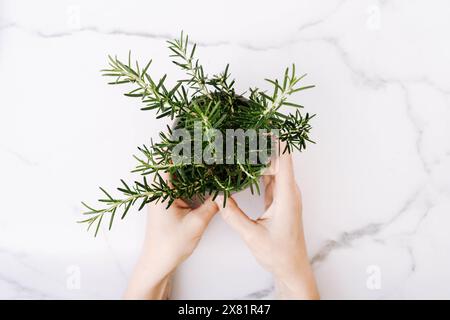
(297, 282)
(149, 281)
(155, 270)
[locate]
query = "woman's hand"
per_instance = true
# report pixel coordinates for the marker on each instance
(276, 239)
(171, 236)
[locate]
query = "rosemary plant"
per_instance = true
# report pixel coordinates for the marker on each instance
(213, 102)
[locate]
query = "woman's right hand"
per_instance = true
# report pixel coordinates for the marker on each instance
(276, 239)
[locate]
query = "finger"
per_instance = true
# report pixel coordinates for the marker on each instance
(268, 196)
(268, 182)
(166, 177)
(206, 211)
(177, 203)
(236, 218)
(284, 176)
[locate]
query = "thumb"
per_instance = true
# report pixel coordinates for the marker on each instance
(206, 211)
(236, 218)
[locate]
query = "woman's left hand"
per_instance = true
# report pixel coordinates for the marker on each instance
(172, 235)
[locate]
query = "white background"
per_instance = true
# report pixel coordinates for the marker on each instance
(376, 186)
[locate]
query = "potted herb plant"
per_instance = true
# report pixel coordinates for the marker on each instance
(204, 108)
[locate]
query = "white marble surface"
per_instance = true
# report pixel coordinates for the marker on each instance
(376, 185)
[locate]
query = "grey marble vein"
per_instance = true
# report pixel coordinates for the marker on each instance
(23, 290)
(418, 129)
(261, 294)
(18, 155)
(322, 19)
(346, 239)
(113, 32)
